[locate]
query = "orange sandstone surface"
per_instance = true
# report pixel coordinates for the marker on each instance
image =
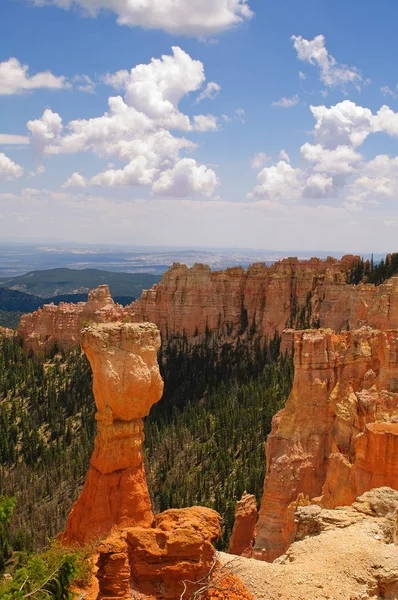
(243, 533)
(337, 436)
(126, 382)
(62, 324)
(263, 299)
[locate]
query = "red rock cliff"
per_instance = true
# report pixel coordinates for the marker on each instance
(126, 382)
(338, 433)
(62, 324)
(290, 293)
(191, 300)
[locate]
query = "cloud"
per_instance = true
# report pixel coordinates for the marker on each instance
(377, 182)
(15, 79)
(181, 17)
(281, 181)
(258, 160)
(9, 170)
(287, 102)
(136, 130)
(240, 115)
(283, 155)
(7, 139)
(332, 167)
(387, 91)
(318, 185)
(84, 83)
(185, 179)
(205, 123)
(45, 132)
(75, 180)
(211, 90)
(332, 74)
(341, 160)
(347, 123)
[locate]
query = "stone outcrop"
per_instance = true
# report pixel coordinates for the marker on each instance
(126, 383)
(164, 560)
(197, 300)
(349, 553)
(338, 433)
(243, 533)
(263, 299)
(62, 324)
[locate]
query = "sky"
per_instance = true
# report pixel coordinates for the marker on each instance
(222, 123)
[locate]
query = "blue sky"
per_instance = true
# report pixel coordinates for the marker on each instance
(270, 124)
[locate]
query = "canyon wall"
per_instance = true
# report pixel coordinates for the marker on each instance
(62, 324)
(196, 300)
(262, 300)
(338, 433)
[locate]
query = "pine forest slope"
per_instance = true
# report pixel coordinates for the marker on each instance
(204, 440)
(53, 282)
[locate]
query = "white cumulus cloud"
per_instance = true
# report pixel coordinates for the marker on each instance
(15, 79)
(279, 182)
(136, 130)
(340, 160)
(185, 17)
(75, 180)
(318, 185)
(205, 123)
(9, 170)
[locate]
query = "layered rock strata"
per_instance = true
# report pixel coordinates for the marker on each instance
(262, 300)
(62, 324)
(173, 559)
(243, 533)
(196, 300)
(126, 383)
(338, 433)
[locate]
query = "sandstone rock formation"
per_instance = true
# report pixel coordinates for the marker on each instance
(243, 533)
(163, 561)
(289, 293)
(338, 433)
(62, 324)
(198, 299)
(349, 553)
(126, 384)
(156, 560)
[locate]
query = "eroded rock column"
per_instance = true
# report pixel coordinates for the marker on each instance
(126, 383)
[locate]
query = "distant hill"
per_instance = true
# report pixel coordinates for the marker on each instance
(56, 282)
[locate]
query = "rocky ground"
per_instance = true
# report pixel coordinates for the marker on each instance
(348, 553)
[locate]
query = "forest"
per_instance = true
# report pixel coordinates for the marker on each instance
(198, 446)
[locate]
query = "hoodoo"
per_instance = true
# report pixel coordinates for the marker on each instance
(337, 436)
(126, 384)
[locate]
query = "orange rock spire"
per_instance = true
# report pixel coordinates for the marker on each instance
(126, 384)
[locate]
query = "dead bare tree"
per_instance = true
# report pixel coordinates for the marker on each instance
(214, 580)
